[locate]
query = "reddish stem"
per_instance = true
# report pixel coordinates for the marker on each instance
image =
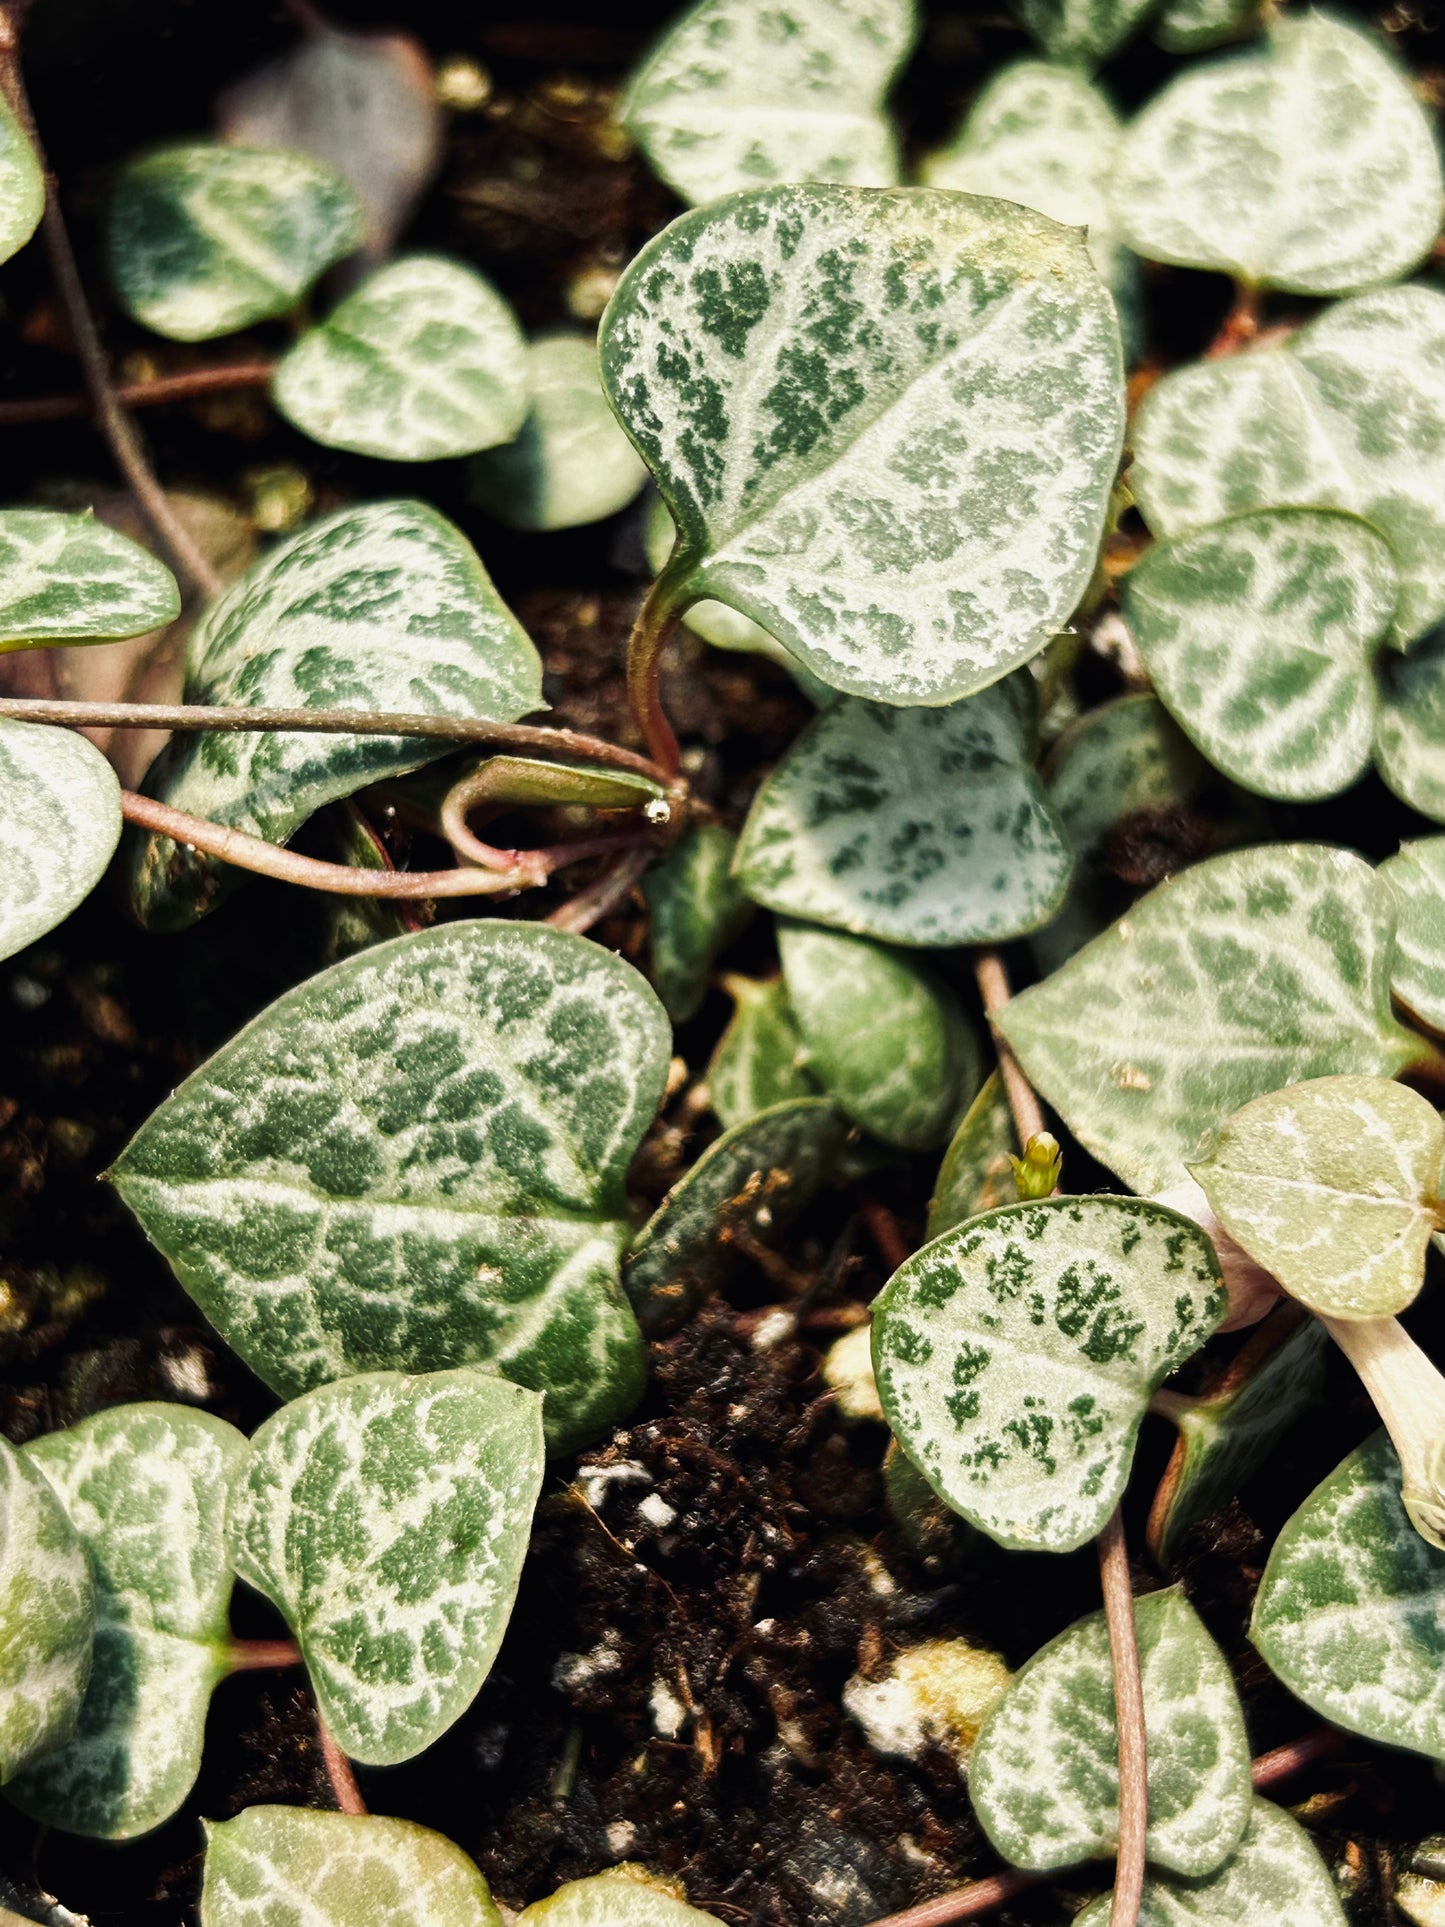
(655, 623)
(1239, 327)
(1129, 1706)
(993, 987)
(140, 394)
(260, 1655)
(345, 1791)
(591, 905)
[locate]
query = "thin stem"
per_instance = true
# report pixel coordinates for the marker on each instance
(655, 623)
(993, 987)
(110, 416)
(589, 906)
(344, 1789)
(1285, 1761)
(260, 1655)
(1240, 326)
(894, 1248)
(141, 394)
(1129, 1704)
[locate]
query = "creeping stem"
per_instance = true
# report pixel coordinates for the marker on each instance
(993, 987)
(1129, 1705)
(656, 621)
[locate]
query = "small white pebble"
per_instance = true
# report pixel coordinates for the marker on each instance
(597, 1480)
(621, 1837)
(657, 1512)
(776, 1329)
(669, 1715)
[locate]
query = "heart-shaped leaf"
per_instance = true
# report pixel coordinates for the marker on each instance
(416, 1159)
(1299, 425)
(884, 1036)
(69, 578)
(571, 463)
(1253, 970)
(624, 1896)
(1410, 735)
(1308, 165)
(387, 1518)
(424, 360)
(745, 1190)
(203, 239)
(1333, 1186)
(1059, 1714)
(1016, 1355)
(1194, 26)
(1087, 31)
(1275, 1875)
(976, 1174)
(1350, 1613)
(910, 507)
(1417, 877)
(59, 824)
(384, 607)
(145, 1487)
(695, 910)
(759, 1058)
(741, 94)
(1258, 635)
(915, 826)
(22, 185)
(274, 1866)
(47, 1616)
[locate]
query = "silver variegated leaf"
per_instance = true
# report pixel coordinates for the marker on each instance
(387, 1518)
(1086, 31)
(1044, 1775)
(695, 909)
(625, 1896)
(145, 1487)
(1016, 1354)
(279, 1866)
(1308, 165)
(976, 1174)
(1195, 26)
(913, 507)
(204, 239)
(1417, 877)
(384, 607)
(745, 93)
(59, 824)
(1410, 734)
(1250, 971)
(69, 578)
(47, 1616)
(759, 1057)
(22, 185)
(416, 1159)
(423, 361)
(1258, 635)
(915, 826)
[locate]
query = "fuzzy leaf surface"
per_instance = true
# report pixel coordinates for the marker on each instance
(759, 1057)
(59, 824)
(1417, 877)
(1016, 1354)
(423, 361)
(416, 1159)
(387, 1519)
(624, 1896)
(1060, 1710)
(923, 827)
(203, 239)
(911, 507)
(69, 578)
(1308, 165)
(22, 185)
(1253, 970)
(47, 1616)
(976, 1174)
(695, 909)
(145, 1487)
(742, 94)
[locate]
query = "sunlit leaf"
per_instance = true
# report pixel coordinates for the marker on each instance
(1417, 877)
(759, 1057)
(1016, 1355)
(272, 1866)
(742, 93)
(384, 607)
(1410, 735)
(1258, 635)
(1253, 970)
(1194, 26)
(416, 1159)
(884, 1037)
(695, 909)
(47, 1616)
(915, 826)
(59, 824)
(146, 1488)
(387, 1518)
(204, 239)
(22, 185)
(935, 1694)
(624, 1896)
(1307, 165)
(911, 507)
(69, 578)
(1083, 30)
(1044, 1776)
(976, 1174)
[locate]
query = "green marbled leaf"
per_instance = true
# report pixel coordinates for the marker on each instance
(976, 1174)
(745, 93)
(624, 1896)
(1298, 425)
(423, 361)
(1250, 971)
(145, 1487)
(884, 1037)
(1086, 31)
(1258, 635)
(1350, 1613)
(384, 607)
(47, 1616)
(1275, 1875)
(278, 1866)
(22, 185)
(387, 1519)
(759, 1057)
(1195, 26)
(1417, 877)
(1307, 165)
(59, 824)
(751, 1183)
(1410, 734)
(520, 782)
(911, 507)
(570, 464)
(204, 239)
(1333, 1187)
(696, 909)
(1016, 1354)
(1044, 1774)
(922, 827)
(69, 578)
(416, 1159)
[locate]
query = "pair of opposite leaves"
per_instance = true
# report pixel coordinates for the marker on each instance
(386, 1517)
